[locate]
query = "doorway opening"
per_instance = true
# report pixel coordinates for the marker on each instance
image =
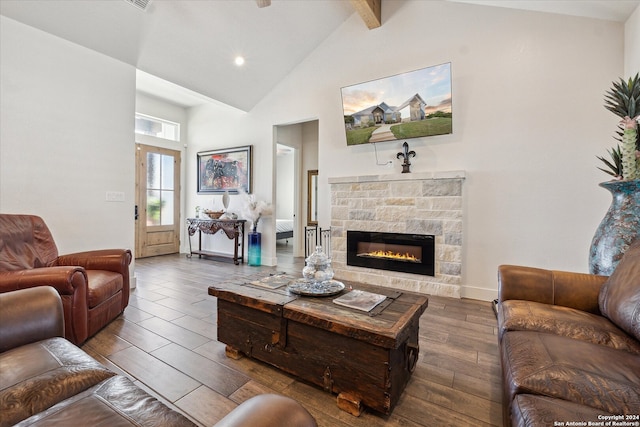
(296, 147)
(285, 209)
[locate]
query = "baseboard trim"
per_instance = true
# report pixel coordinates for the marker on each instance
(482, 294)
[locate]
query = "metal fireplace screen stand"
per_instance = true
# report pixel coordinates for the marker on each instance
(314, 236)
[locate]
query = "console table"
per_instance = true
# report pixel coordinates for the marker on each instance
(233, 228)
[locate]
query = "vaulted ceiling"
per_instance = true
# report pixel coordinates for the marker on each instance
(193, 43)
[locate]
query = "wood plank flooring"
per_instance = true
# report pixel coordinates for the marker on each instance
(166, 342)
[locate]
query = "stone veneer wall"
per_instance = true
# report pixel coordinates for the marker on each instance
(421, 203)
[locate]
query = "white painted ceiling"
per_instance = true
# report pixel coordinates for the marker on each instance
(193, 43)
(610, 10)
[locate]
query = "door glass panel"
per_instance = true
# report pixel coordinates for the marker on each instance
(160, 189)
(166, 211)
(153, 171)
(167, 172)
(154, 204)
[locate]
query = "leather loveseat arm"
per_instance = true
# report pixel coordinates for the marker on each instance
(71, 284)
(574, 290)
(266, 410)
(66, 280)
(30, 315)
(116, 260)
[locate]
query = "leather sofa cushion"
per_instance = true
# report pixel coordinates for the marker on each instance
(39, 375)
(515, 315)
(529, 410)
(619, 297)
(585, 373)
(114, 402)
(102, 286)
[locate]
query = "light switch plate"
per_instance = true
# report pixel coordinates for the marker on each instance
(115, 196)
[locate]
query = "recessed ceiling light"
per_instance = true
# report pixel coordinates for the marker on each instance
(239, 61)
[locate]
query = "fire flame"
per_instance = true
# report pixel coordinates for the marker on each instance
(393, 255)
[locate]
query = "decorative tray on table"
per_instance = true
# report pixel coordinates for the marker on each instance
(312, 288)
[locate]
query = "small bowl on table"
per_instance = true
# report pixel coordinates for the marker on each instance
(213, 214)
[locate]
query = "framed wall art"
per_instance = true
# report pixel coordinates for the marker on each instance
(408, 105)
(224, 170)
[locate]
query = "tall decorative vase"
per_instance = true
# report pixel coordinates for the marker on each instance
(255, 247)
(618, 229)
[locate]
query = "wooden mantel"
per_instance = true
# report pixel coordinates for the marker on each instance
(369, 11)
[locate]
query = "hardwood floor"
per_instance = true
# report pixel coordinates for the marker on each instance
(166, 342)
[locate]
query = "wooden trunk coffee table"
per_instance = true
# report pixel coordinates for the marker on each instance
(365, 358)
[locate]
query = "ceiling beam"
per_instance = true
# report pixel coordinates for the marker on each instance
(369, 11)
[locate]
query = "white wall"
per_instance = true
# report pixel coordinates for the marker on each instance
(66, 138)
(285, 186)
(632, 44)
(215, 126)
(528, 123)
(310, 150)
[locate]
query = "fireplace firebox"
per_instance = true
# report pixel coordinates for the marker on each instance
(407, 253)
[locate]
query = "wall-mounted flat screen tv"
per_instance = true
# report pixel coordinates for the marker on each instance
(415, 104)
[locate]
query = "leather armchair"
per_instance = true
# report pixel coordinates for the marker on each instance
(94, 285)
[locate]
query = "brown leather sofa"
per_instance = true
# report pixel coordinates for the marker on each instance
(94, 285)
(45, 380)
(570, 345)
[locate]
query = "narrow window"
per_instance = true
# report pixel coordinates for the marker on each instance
(147, 125)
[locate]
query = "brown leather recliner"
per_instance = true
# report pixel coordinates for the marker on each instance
(94, 285)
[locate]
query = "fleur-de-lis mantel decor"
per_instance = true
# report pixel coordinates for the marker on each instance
(406, 154)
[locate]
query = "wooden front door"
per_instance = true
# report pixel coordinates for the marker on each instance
(157, 201)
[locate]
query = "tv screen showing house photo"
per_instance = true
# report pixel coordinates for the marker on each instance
(408, 105)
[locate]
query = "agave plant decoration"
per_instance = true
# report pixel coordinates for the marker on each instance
(615, 165)
(620, 225)
(623, 100)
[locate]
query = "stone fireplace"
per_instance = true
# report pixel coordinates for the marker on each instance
(423, 206)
